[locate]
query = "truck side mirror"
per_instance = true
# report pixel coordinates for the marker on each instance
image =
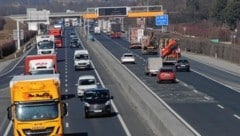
(111, 97)
(64, 109)
(9, 110)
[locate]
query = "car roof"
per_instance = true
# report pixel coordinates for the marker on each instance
(81, 51)
(86, 77)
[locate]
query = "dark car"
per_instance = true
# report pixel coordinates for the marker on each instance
(74, 43)
(182, 65)
(97, 102)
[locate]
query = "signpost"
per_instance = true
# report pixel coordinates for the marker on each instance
(116, 11)
(161, 20)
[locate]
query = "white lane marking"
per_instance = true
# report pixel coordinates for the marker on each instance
(8, 129)
(114, 107)
(184, 84)
(66, 80)
(207, 98)
(236, 116)
(196, 91)
(66, 85)
(219, 82)
(66, 124)
(66, 90)
(220, 106)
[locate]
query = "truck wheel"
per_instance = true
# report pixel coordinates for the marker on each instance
(86, 115)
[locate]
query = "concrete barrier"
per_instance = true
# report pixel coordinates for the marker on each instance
(156, 113)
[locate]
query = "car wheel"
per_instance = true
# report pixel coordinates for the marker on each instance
(188, 70)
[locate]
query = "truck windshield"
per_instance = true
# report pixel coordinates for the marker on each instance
(37, 111)
(45, 45)
(45, 71)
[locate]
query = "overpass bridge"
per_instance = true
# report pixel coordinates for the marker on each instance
(51, 15)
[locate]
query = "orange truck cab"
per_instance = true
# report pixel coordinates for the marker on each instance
(40, 64)
(36, 106)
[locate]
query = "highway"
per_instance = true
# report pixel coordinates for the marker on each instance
(206, 97)
(74, 122)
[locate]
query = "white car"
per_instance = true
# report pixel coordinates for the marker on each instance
(86, 82)
(128, 58)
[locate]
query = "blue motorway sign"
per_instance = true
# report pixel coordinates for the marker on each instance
(161, 20)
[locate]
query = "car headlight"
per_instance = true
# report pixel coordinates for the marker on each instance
(86, 104)
(107, 103)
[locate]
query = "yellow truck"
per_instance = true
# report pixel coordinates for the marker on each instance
(36, 106)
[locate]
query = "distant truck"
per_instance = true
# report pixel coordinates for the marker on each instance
(40, 64)
(36, 105)
(115, 30)
(135, 36)
(150, 44)
(45, 44)
(57, 33)
(153, 65)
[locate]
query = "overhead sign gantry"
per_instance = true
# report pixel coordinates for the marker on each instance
(134, 11)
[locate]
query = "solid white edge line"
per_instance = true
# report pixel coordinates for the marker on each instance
(8, 129)
(220, 106)
(114, 106)
(204, 75)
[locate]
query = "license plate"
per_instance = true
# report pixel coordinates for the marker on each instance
(97, 110)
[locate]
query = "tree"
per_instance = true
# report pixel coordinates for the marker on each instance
(217, 11)
(232, 14)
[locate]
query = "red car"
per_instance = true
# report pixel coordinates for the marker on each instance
(166, 74)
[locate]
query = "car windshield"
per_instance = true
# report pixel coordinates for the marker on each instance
(87, 82)
(82, 56)
(37, 111)
(97, 95)
(46, 45)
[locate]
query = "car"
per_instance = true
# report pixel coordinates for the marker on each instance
(182, 65)
(84, 83)
(82, 60)
(97, 102)
(128, 58)
(74, 45)
(166, 74)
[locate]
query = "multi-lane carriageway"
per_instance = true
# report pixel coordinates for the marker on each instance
(199, 97)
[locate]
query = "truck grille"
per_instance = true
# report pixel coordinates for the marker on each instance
(41, 132)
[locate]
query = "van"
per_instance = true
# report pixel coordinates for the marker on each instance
(81, 60)
(153, 65)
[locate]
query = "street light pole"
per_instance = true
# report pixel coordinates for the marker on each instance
(18, 36)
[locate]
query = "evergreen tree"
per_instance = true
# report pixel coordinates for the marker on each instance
(217, 11)
(232, 14)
